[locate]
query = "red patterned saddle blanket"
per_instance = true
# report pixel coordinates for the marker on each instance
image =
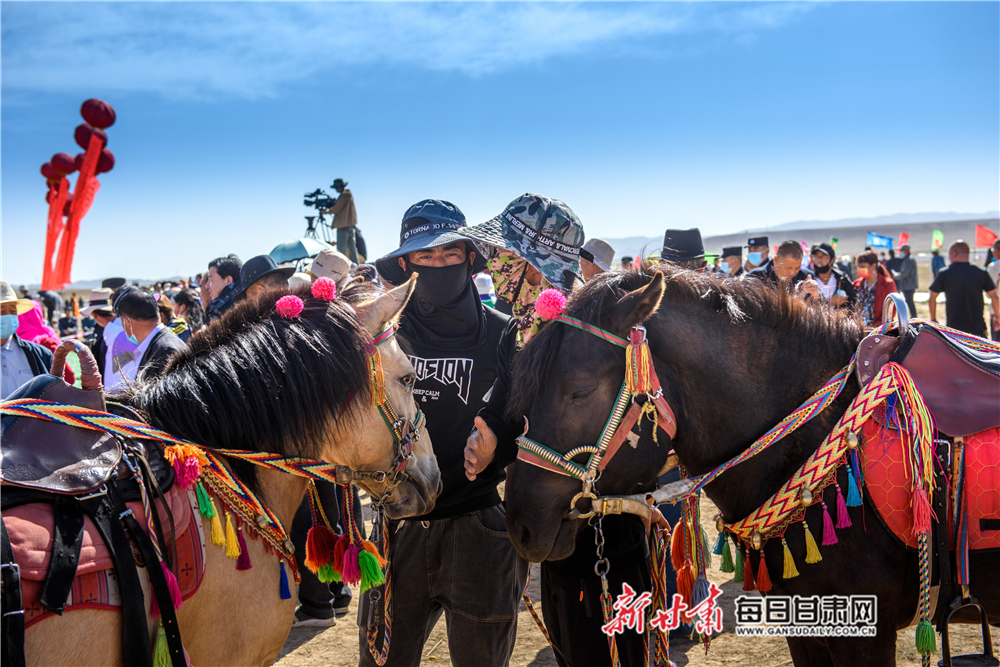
(886, 481)
(96, 587)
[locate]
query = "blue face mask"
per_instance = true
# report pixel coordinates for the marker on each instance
(8, 325)
(131, 337)
(755, 258)
(725, 268)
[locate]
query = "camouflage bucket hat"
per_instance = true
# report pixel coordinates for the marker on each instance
(543, 231)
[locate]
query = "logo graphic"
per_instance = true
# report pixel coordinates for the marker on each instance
(446, 371)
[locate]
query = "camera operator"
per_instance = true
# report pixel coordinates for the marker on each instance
(345, 219)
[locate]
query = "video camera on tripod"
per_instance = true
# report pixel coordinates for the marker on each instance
(319, 200)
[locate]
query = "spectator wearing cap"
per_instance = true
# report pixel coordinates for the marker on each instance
(260, 275)
(963, 285)
(757, 252)
(21, 360)
(332, 264)
(596, 257)
(627, 262)
(452, 340)
(535, 243)
(222, 282)
(786, 270)
(904, 271)
(873, 285)
(684, 248)
(835, 286)
(345, 220)
(732, 261)
(99, 308)
(140, 319)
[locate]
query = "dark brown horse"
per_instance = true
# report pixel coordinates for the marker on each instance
(734, 358)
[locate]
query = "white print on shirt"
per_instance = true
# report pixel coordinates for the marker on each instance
(446, 371)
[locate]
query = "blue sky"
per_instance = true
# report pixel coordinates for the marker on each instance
(640, 116)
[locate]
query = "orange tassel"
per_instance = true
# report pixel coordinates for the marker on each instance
(320, 544)
(763, 578)
(685, 582)
(748, 582)
(678, 543)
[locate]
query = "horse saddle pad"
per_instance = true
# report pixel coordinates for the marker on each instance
(55, 457)
(96, 587)
(888, 486)
(961, 386)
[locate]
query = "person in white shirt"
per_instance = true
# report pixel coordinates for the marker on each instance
(21, 360)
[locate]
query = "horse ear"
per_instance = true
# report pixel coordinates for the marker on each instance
(387, 308)
(638, 306)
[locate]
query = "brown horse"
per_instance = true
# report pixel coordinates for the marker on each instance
(255, 381)
(734, 358)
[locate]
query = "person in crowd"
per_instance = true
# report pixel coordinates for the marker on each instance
(21, 360)
(963, 284)
(452, 340)
(892, 264)
(596, 257)
(222, 283)
(330, 264)
(937, 263)
(846, 265)
(359, 241)
(570, 590)
(903, 270)
(140, 319)
(345, 220)
(757, 253)
(715, 266)
(298, 280)
(732, 261)
(177, 325)
(993, 269)
(99, 309)
(260, 275)
(786, 269)
(873, 285)
(67, 323)
(835, 287)
(53, 303)
(684, 248)
(33, 325)
(882, 259)
(187, 307)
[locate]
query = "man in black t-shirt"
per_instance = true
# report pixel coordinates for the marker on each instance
(963, 285)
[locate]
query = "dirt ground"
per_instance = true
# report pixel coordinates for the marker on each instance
(338, 646)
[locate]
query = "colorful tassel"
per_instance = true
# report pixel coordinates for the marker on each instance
(161, 652)
(351, 572)
(727, 565)
(339, 548)
(763, 578)
(700, 591)
(843, 518)
(789, 571)
(812, 549)
(243, 562)
(921, 505)
(371, 571)
(748, 583)
(638, 376)
(232, 545)
(205, 506)
(373, 550)
(738, 565)
(175, 592)
(320, 544)
(853, 494)
(283, 590)
(218, 536)
(186, 471)
(926, 641)
(678, 552)
(327, 574)
(829, 534)
(719, 541)
(685, 582)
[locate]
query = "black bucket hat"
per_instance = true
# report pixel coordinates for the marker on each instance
(682, 244)
(256, 268)
(430, 223)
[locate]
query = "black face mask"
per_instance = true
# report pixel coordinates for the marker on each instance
(823, 270)
(445, 310)
(440, 285)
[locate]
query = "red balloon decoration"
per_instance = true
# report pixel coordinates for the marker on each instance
(82, 136)
(69, 200)
(106, 162)
(63, 163)
(98, 113)
(50, 173)
(78, 160)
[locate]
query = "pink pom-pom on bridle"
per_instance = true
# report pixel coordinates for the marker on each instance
(289, 306)
(325, 289)
(550, 303)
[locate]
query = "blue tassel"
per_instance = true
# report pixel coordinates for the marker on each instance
(853, 495)
(717, 549)
(855, 462)
(700, 591)
(285, 592)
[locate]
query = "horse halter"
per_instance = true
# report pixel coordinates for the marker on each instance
(640, 380)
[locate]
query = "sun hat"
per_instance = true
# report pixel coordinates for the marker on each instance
(543, 231)
(100, 299)
(8, 295)
(331, 264)
(601, 253)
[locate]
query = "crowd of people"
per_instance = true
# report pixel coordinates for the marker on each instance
(471, 312)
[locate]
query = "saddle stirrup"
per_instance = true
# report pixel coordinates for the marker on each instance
(986, 658)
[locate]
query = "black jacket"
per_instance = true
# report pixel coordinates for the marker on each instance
(164, 344)
(766, 272)
(39, 359)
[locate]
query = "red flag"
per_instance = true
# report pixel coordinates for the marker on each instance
(904, 239)
(984, 237)
(83, 197)
(57, 200)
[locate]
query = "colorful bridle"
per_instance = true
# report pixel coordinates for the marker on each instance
(640, 381)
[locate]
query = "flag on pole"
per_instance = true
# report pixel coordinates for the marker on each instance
(904, 239)
(834, 241)
(878, 241)
(985, 237)
(937, 239)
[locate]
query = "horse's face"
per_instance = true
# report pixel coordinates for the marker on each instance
(570, 410)
(371, 445)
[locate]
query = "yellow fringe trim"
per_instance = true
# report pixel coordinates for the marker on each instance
(232, 546)
(789, 571)
(812, 549)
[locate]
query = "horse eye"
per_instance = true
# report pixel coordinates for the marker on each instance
(409, 380)
(582, 394)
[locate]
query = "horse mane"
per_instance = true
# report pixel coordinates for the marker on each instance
(256, 381)
(732, 300)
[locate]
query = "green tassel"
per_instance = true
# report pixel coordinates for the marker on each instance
(161, 653)
(371, 573)
(205, 505)
(738, 566)
(326, 573)
(706, 546)
(727, 558)
(926, 641)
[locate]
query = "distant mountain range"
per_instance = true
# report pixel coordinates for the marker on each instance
(898, 218)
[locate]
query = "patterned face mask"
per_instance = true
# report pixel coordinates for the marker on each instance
(508, 272)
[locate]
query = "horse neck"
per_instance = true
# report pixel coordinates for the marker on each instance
(756, 377)
(282, 493)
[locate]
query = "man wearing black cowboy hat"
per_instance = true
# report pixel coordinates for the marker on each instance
(684, 248)
(261, 274)
(453, 341)
(732, 261)
(345, 220)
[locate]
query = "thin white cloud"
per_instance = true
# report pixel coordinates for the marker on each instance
(250, 50)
